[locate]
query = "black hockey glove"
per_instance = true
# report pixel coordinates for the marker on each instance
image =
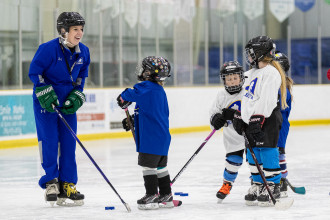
(254, 129)
(218, 121)
(125, 123)
(228, 113)
(122, 103)
(238, 123)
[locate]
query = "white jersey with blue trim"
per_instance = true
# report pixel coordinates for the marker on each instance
(231, 139)
(261, 92)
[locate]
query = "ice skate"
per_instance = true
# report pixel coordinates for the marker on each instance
(284, 188)
(149, 201)
(253, 193)
(224, 191)
(166, 201)
(264, 198)
(69, 191)
(52, 190)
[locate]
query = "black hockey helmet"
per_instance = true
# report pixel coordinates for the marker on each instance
(258, 48)
(231, 68)
(67, 19)
(283, 60)
(159, 69)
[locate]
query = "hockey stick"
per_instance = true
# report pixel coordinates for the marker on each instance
(192, 157)
(299, 190)
(90, 157)
(278, 204)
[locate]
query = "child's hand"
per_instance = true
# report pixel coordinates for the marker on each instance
(218, 121)
(122, 103)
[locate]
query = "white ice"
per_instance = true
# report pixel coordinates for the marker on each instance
(308, 157)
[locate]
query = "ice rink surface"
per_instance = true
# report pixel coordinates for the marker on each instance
(308, 158)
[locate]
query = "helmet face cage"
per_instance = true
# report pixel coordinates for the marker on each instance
(232, 68)
(159, 69)
(283, 60)
(258, 48)
(67, 19)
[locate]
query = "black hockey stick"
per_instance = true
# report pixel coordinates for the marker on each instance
(90, 157)
(192, 157)
(296, 189)
(278, 204)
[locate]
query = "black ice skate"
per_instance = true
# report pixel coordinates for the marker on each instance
(166, 201)
(224, 191)
(149, 201)
(253, 193)
(69, 191)
(284, 188)
(52, 190)
(264, 198)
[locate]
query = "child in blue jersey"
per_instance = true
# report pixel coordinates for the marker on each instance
(284, 61)
(58, 71)
(151, 130)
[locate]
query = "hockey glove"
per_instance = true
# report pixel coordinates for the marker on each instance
(122, 103)
(238, 123)
(126, 126)
(47, 96)
(228, 113)
(73, 102)
(218, 121)
(254, 129)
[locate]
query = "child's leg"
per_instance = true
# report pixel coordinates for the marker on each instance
(271, 166)
(164, 181)
(150, 180)
(284, 171)
(253, 168)
(234, 161)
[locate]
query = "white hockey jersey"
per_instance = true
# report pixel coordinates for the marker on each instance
(261, 92)
(232, 141)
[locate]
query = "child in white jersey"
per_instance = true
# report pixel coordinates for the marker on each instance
(261, 119)
(222, 112)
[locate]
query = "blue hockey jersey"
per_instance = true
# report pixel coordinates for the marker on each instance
(48, 67)
(285, 124)
(151, 117)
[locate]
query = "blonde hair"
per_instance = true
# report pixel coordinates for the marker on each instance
(289, 84)
(283, 86)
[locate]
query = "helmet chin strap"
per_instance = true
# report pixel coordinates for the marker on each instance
(65, 40)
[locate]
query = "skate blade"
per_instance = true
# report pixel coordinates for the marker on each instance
(62, 202)
(150, 206)
(284, 204)
(266, 204)
(220, 201)
(166, 205)
(251, 203)
(284, 194)
(52, 203)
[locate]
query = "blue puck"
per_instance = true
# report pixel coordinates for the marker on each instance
(109, 208)
(177, 193)
(184, 194)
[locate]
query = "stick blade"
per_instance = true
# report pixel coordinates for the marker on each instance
(284, 204)
(300, 190)
(127, 207)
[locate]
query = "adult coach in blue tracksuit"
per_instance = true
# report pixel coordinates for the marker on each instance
(58, 71)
